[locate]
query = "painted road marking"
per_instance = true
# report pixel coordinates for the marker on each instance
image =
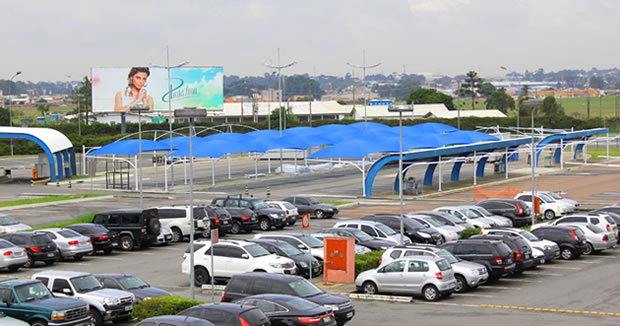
(171, 248)
(137, 253)
(110, 258)
(472, 295)
(500, 287)
(71, 263)
(593, 313)
(579, 262)
(561, 267)
(519, 280)
(542, 274)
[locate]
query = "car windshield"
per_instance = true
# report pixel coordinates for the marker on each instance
(32, 291)
(7, 220)
(529, 236)
(547, 198)
(304, 288)
(41, 239)
(443, 265)
(69, 233)
(6, 244)
(430, 221)
(260, 204)
(288, 249)
(313, 201)
(385, 229)
(471, 213)
(311, 241)
(445, 254)
(452, 218)
(483, 211)
(361, 235)
(256, 250)
(554, 195)
(415, 224)
(288, 205)
(132, 283)
(299, 303)
(86, 283)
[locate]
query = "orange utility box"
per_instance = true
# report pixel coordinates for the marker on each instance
(339, 263)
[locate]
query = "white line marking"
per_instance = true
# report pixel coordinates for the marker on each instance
(542, 274)
(137, 253)
(110, 258)
(500, 287)
(72, 264)
(450, 304)
(561, 267)
(170, 248)
(472, 295)
(579, 262)
(518, 280)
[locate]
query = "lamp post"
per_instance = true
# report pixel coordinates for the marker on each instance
(400, 110)
(139, 109)
(364, 67)
(191, 113)
(279, 68)
(10, 113)
(533, 104)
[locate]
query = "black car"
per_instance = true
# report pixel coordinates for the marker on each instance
(416, 231)
(38, 246)
(361, 238)
(448, 218)
(571, 239)
(267, 217)
(228, 314)
(522, 251)
(284, 249)
(310, 205)
(135, 227)
(168, 320)
(130, 283)
(247, 284)
(100, 236)
(220, 219)
(514, 209)
(495, 255)
(287, 310)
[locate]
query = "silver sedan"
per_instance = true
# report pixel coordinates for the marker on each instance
(70, 244)
(597, 238)
(12, 256)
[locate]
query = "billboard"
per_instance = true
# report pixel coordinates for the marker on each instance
(116, 89)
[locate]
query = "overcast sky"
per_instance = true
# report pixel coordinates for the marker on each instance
(48, 40)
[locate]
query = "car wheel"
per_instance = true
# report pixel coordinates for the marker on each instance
(430, 293)
(461, 284)
(38, 322)
(319, 213)
(29, 263)
(78, 257)
(567, 253)
(589, 249)
(549, 214)
(127, 243)
(14, 268)
(201, 276)
(177, 235)
(264, 224)
(370, 288)
(236, 228)
(95, 317)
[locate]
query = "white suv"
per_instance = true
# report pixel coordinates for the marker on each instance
(549, 208)
(232, 257)
(177, 219)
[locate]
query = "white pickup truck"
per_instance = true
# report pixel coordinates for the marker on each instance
(105, 304)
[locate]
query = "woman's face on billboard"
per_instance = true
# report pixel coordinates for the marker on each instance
(139, 80)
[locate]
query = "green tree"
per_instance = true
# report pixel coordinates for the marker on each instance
(486, 89)
(597, 82)
(4, 117)
(499, 100)
(302, 85)
(471, 86)
(82, 96)
(525, 91)
(551, 107)
(289, 117)
(44, 109)
(430, 96)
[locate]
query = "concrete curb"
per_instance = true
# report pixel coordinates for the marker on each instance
(377, 297)
(70, 201)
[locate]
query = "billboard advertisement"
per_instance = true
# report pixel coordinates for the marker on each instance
(117, 89)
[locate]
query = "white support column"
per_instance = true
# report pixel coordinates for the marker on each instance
(440, 174)
(562, 154)
(363, 176)
(295, 160)
(506, 163)
(268, 165)
(165, 174)
(255, 166)
(135, 159)
(213, 172)
(475, 165)
(585, 152)
(185, 170)
(84, 158)
(228, 159)
(607, 145)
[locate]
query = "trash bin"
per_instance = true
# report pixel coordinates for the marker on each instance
(411, 186)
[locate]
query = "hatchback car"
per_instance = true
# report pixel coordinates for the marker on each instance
(448, 218)
(495, 255)
(601, 220)
(572, 240)
(100, 237)
(430, 277)
(304, 242)
(467, 274)
(448, 232)
(130, 283)
(312, 206)
(549, 208)
(220, 219)
(39, 247)
(597, 239)
(244, 285)
(514, 209)
(292, 213)
(228, 314)
(375, 230)
(549, 249)
(523, 256)
(12, 256)
(499, 220)
(9, 225)
(288, 310)
(70, 244)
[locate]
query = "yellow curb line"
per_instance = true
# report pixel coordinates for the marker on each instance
(594, 313)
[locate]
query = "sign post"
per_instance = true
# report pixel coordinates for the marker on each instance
(305, 223)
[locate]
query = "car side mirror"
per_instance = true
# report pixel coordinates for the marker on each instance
(245, 256)
(67, 291)
(300, 246)
(381, 270)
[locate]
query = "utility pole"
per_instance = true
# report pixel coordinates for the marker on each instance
(588, 98)
(364, 67)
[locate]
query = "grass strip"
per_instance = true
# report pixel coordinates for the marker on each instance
(336, 203)
(86, 218)
(46, 199)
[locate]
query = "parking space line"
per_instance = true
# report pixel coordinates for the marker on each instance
(71, 263)
(171, 248)
(607, 256)
(541, 274)
(519, 280)
(110, 258)
(578, 262)
(137, 253)
(591, 313)
(500, 287)
(561, 267)
(450, 303)
(473, 295)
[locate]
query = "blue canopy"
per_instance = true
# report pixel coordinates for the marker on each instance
(357, 148)
(461, 137)
(430, 127)
(130, 147)
(228, 136)
(215, 148)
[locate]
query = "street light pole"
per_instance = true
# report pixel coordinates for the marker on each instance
(364, 67)
(400, 110)
(10, 112)
(533, 104)
(140, 108)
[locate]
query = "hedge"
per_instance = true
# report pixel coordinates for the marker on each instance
(369, 260)
(159, 306)
(465, 234)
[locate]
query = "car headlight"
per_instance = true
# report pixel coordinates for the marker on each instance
(58, 315)
(303, 264)
(424, 235)
(333, 307)
(383, 247)
(475, 272)
(282, 265)
(146, 298)
(111, 301)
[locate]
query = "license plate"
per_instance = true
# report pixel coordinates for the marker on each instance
(315, 270)
(253, 218)
(115, 245)
(225, 222)
(128, 308)
(349, 314)
(51, 254)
